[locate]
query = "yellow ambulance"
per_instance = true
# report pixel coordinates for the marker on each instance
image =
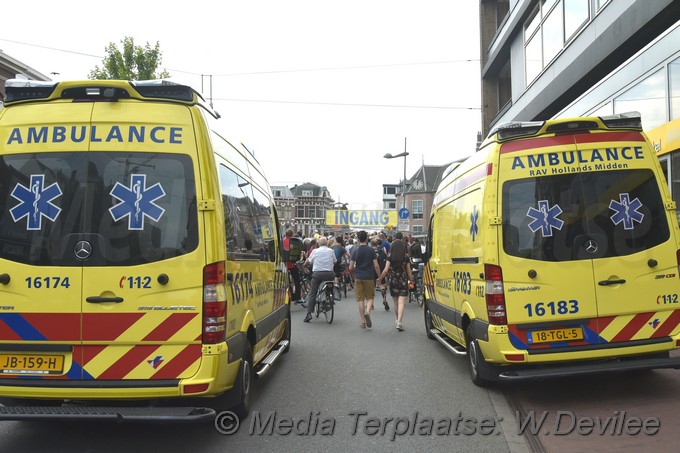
(139, 255)
(553, 251)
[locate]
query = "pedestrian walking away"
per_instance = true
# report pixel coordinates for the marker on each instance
(381, 254)
(398, 272)
(293, 271)
(322, 260)
(364, 264)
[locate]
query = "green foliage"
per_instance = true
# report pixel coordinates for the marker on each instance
(132, 63)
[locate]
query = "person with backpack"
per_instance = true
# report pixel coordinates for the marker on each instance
(381, 256)
(364, 264)
(340, 253)
(398, 272)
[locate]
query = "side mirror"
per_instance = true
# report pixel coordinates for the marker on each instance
(294, 250)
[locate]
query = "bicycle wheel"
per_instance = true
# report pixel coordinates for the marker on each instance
(420, 292)
(329, 308)
(344, 287)
(318, 308)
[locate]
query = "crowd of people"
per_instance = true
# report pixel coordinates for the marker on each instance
(375, 261)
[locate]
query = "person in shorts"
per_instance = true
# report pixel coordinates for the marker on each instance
(398, 272)
(364, 264)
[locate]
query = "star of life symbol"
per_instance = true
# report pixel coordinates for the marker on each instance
(137, 202)
(474, 229)
(545, 218)
(35, 202)
(626, 211)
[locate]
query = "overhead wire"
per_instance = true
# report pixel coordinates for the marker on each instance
(284, 71)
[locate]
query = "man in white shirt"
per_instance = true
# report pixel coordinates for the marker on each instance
(322, 260)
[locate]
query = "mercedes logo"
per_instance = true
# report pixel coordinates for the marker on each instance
(82, 250)
(591, 246)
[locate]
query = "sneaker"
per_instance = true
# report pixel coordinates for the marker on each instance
(308, 317)
(400, 328)
(362, 325)
(367, 317)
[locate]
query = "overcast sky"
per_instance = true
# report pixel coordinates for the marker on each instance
(319, 90)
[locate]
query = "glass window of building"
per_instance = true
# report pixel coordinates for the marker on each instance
(576, 13)
(553, 35)
(549, 27)
(674, 76)
(417, 208)
(647, 97)
(300, 212)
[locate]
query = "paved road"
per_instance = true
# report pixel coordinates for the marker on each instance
(347, 381)
(607, 406)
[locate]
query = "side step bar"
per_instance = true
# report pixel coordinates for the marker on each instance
(272, 357)
(448, 344)
(107, 414)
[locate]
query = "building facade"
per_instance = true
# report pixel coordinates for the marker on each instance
(566, 58)
(307, 204)
(11, 68)
(420, 190)
(539, 56)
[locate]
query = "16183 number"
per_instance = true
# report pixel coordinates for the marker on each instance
(561, 307)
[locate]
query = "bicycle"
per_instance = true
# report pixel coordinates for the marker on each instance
(346, 280)
(305, 279)
(325, 302)
(305, 282)
(415, 292)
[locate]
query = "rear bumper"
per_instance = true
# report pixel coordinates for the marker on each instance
(582, 368)
(214, 376)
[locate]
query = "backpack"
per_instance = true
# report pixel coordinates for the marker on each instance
(382, 257)
(416, 251)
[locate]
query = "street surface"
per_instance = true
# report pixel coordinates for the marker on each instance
(341, 388)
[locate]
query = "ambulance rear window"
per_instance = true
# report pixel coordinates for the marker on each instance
(130, 208)
(583, 215)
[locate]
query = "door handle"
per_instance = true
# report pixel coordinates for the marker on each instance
(99, 299)
(611, 282)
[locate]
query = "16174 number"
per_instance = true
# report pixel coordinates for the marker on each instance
(47, 282)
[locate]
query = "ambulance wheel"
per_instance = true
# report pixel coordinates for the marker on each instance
(481, 373)
(428, 321)
(245, 383)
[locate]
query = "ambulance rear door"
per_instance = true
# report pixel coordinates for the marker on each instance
(41, 203)
(633, 249)
(548, 279)
(142, 279)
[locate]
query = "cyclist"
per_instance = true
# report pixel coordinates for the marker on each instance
(322, 260)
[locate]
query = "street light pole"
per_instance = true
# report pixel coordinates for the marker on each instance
(403, 182)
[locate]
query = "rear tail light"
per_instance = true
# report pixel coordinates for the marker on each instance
(495, 295)
(214, 303)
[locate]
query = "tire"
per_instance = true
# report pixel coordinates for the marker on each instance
(329, 309)
(428, 322)
(420, 293)
(481, 373)
(245, 383)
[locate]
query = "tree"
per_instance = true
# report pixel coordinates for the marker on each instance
(132, 63)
